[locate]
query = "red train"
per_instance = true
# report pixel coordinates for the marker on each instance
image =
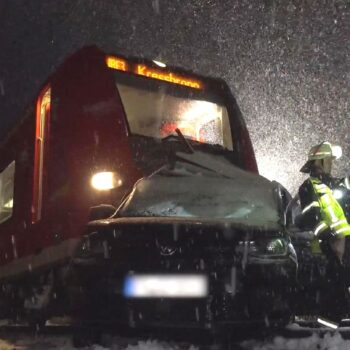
(93, 131)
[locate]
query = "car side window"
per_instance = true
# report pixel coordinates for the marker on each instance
(7, 180)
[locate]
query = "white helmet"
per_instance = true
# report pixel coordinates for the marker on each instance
(321, 151)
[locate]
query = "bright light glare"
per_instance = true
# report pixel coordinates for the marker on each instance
(166, 286)
(337, 194)
(337, 151)
(9, 204)
(327, 323)
(195, 115)
(160, 64)
(105, 181)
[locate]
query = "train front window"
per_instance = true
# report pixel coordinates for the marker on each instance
(155, 109)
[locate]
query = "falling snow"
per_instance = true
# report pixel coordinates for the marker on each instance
(314, 342)
(287, 62)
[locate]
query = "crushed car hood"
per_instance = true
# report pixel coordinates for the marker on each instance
(200, 186)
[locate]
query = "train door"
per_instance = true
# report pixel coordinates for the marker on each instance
(38, 230)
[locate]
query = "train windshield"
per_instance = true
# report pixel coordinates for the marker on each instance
(155, 108)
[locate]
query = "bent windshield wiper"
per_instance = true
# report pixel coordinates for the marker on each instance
(184, 141)
(181, 138)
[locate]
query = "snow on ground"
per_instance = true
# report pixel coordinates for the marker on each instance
(44, 342)
(38, 343)
(315, 342)
(330, 341)
(155, 345)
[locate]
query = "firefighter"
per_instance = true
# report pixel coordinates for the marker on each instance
(324, 215)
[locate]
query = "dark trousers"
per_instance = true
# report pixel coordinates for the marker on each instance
(333, 300)
(346, 265)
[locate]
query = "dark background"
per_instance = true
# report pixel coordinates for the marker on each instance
(287, 62)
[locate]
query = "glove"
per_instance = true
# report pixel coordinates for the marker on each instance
(326, 235)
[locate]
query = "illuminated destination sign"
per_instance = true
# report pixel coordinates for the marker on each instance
(117, 63)
(149, 72)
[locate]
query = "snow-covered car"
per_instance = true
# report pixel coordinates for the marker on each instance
(198, 243)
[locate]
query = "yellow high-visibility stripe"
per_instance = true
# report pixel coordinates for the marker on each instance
(326, 199)
(319, 228)
(310, 206)
(342, 230)
(322, 189)
(339, 223)
(320, 186)
(329, 208)
(331, 211)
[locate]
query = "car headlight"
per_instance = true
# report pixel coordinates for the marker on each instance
(105, 180)
(276, 247)
(264, 247)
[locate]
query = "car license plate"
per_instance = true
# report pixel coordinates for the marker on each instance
(165, 286)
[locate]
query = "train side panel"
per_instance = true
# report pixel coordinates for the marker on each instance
(18, 150)
(83, 132)
(88, 135)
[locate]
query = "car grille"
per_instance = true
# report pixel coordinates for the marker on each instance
(177, 247)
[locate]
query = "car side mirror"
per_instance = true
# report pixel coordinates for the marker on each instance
(293, 213)
(102, 211)
(283, 198)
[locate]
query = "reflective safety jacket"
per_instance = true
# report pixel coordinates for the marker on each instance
(321, 211)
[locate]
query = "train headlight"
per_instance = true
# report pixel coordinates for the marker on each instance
(105, 180)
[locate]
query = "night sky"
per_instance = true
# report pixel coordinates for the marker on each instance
(287, 62)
